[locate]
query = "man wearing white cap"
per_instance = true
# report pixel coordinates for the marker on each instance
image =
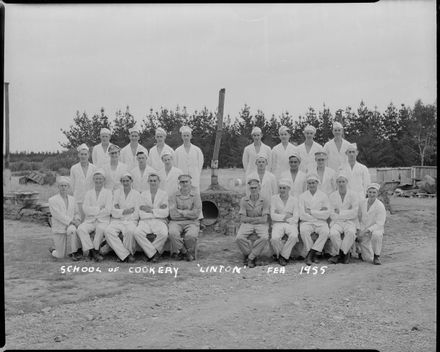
(128, 153)
(336, 148)
(185, 209)
(372, 217)
(284, 214)
(65, 220)
(125, 215)
(254, 211)
(156, 151)
(100, 155)
(281, 153)
(153, 213)
(169, 174)
(257, 147)
(344, 207)
(314, 210)
(268, 182)
(141, 171)
(97, 207)
(81, 176)
(295, 175)
(307, 149)
(114, 170)
(327, 176)
(189, 158)
(357, 173)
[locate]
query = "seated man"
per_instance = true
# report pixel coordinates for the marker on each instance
(344, 208)
(284, 215)
(125, 215)
(97, 207)
(254, 210)
(185, 209)
(65, 219)
(372, 217)
(314, 210)
(153, 213)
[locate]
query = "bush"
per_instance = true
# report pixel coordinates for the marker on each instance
(50, 177)
(23, 165)
(61, 161)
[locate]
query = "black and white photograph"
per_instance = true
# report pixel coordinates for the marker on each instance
(220, 176)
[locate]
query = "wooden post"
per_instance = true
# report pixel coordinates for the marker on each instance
(6, 171)
(218, 137)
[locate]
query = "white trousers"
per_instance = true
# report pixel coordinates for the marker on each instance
(345, 242)
(84, 231)
(307, 228)
(371, 244)
(63, 240)
(159, 228)
(127, 230)
(280, 247)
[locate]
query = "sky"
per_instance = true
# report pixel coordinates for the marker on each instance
(275, 58)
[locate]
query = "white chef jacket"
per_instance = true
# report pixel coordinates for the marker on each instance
(140, 182)
(62, 216)
(373, 219)
(348, 209)
(280, 158)
(308, 162)
(291, 206)
(300, 184)
(250, 156)
(81, 183)
(113, 177)
(100, 157)
(335, 158)
(131, 201)
(268, 185)
(92, 205)
(170, 183)
(328, 182)
(160, 199)
(358, 178)
(128, 158)
(154, 159)
(190, 163)
(315, 203)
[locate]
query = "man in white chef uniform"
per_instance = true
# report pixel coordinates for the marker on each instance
(268, 182)
(295, 175)
(155, 160)
(336, 148)
(308, 149)
(100, 156)
(81, 176)
(114, 170)
(189, 158)
(141, 171)
(281, 153)
(169, 174)
(128, 153)
(252, 150)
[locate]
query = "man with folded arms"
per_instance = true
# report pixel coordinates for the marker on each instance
(185, 209)
(97, 207)
(284, 215)
(65, 220)
(153, 213)
(314, 210)
(344, 207)
(125, 215)
(254, 211)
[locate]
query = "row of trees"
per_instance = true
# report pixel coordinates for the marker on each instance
(399, 136)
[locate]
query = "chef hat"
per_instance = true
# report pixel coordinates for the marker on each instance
(63, 180)
(126, 174)
(184, 129)
(312, 176)
(135, 128)
(283, 129)
(310, 128)
(351, 146)
(166, 152)
(153, 173)
(161, 131)
(296, 155)
(82, 146)
(251, 179)
(337, 124)
(99, 172)
(373, 185)
(184, 176)
(342, 173)
(261, 156)
(285, 182)
(105, 131)
(113, 148)
(321, 151)
(256, 130)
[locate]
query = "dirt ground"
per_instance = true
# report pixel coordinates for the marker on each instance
(390, 307)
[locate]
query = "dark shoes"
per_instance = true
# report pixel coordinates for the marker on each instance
(51, 249)
(245, 260)
(311, 257)
(155, 257)
(76, 256)
(376, 260)
(282, 261)
(346, 258)
(96, 256)
(189, 257)
(251, 263)
(334, 259)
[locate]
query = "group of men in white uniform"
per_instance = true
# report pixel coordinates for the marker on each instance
(312, 194)
(131, 199)
(305, 194)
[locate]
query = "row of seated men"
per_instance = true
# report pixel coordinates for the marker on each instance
(135, 215)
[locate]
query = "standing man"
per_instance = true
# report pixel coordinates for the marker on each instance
(155, 160)
(281, 153)
(169, 174)
(357, 173)
(372, 217)
(257, 147)
(254, 211)
(97, 207)
(284, 215)
(129, 152)
(65, 220)
(307, 150)
(344, 207)
(141, 171)
(114, 170)
(153, 213)
(81, 175)
(314, 210)
(327, 176)
(336, 148)
(295, 175)
(189, 158)
(185, 208)
(267, 181)
(100, 156)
